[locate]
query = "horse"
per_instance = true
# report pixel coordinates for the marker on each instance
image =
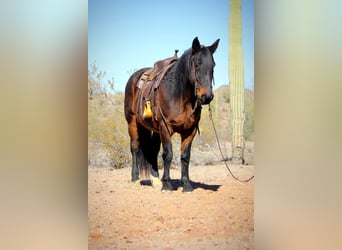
(185, 86)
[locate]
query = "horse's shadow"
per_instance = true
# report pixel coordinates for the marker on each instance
(177, 184)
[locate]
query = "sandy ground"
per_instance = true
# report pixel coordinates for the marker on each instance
(218, 214)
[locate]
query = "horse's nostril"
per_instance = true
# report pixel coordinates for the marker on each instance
(206, 98)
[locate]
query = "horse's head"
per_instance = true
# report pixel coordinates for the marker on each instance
(202, 70)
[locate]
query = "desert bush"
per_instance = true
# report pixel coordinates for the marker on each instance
(109, 143)
(107, 127)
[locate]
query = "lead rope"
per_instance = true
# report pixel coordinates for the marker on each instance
(219, 146)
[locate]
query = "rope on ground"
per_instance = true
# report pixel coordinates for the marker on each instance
(219, 146)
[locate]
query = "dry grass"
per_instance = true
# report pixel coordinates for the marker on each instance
(108, 140)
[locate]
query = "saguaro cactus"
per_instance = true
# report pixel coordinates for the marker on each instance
(236, 80)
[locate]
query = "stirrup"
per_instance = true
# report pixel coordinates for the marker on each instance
(147, 110)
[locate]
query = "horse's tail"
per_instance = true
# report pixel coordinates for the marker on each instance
(149, 149)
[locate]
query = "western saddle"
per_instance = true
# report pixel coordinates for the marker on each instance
(151, 78)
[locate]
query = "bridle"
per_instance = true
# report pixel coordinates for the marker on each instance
(193, 75)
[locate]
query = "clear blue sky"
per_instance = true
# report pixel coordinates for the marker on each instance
(130, 34)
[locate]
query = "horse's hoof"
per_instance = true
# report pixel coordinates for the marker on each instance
(136, 182)
(134, 179)
(187, 188)
(167, 187)
(156, 182)
(166, 191)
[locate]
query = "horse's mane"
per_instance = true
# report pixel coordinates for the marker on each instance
(178, 76)
(177, 79)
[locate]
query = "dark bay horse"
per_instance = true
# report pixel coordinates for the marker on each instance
(185, 86)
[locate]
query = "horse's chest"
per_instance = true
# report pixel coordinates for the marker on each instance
(190, 122)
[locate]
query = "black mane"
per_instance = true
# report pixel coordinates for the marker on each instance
(177, 78)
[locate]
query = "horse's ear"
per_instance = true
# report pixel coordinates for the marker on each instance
(196, 46)
(213, 47)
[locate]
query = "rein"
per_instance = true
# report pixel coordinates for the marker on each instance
(219, 146)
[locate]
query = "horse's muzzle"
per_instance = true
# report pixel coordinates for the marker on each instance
(206, 98)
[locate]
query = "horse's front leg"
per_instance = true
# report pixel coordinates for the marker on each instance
(185, 159)
(167, 158)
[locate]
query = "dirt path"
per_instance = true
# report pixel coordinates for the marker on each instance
(218, 214)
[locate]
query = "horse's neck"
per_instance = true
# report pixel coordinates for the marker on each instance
(176, 84)
(182, 79)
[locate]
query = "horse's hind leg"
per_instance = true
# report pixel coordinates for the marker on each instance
(135, 147)
(155, 148)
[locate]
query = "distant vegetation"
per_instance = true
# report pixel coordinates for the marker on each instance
(108, 140)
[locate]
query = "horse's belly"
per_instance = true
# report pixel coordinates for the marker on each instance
(149, 124)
